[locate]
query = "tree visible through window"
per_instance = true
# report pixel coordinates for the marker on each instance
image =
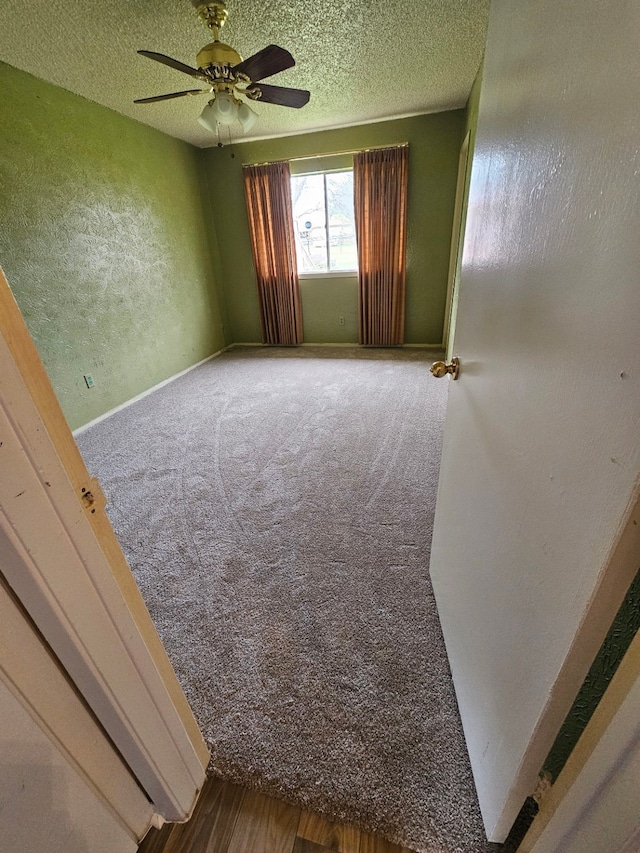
(323, 222)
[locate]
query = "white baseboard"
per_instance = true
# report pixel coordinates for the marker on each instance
(436, 347)
(135, 399)
(293, 346)
(146, 393)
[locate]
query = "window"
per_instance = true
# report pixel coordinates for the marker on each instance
(323, 222)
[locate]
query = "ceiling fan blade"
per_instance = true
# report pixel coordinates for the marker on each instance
(282, 96)
(172, 63)
(172, 95)
(266, 62)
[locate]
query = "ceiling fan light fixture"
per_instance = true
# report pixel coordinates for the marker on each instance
(225, 108)
(247, 117)
(207, 118)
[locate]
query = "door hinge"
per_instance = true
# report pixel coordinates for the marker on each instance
(545, 783)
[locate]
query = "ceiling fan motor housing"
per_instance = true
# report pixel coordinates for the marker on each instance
(217, 54)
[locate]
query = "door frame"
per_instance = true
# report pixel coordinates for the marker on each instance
(457, 241)
(64, 564)
(599, 772)
(616, 576)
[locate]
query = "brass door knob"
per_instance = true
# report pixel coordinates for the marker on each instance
(441, 368)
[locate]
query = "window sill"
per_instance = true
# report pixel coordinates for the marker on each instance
(331, 274)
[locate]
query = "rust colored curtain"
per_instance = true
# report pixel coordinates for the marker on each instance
(380, 201)
(268, 194)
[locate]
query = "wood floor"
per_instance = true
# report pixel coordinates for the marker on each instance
(233, 819)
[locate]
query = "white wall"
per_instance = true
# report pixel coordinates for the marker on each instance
(44, 803)
(62, 786)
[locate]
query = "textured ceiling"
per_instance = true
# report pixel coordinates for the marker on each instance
(361, 61)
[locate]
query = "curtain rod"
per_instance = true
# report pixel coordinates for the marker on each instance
(328, 154)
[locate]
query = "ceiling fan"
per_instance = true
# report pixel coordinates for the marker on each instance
(226, 76)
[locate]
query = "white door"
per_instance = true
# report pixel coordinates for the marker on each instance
(541, 455)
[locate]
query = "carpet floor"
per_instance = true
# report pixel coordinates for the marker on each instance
(276, 507)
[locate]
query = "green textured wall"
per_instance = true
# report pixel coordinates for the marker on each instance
(107, 242)
(434, 142)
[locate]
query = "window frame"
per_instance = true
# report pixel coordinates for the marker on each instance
(328, 273)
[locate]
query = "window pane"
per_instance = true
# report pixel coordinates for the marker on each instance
(343, 252)
(307, 202)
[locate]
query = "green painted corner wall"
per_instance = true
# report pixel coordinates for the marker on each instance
(108, 243)
(434, 142)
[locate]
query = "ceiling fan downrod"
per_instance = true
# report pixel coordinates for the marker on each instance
(216, 56)
(212, 15)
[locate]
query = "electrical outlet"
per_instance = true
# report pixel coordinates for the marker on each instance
(341, 319)
(88, 378)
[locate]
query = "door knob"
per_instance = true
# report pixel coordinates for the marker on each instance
(441, 368)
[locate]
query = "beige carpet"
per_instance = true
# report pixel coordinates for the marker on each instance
(276, 507)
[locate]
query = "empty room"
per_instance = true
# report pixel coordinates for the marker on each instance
(319, 523)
